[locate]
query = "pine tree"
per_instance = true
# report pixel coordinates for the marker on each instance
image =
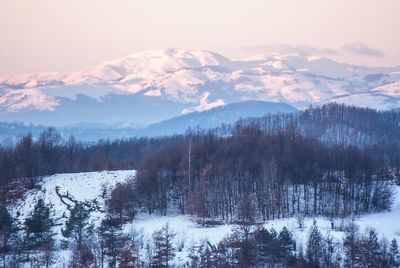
(351, 246)
(397, 177)
(287, 244)
(110, 231)
(164, 248)
(384, 253)
(6, 228)
(79, 229)
(329, 251)
(268, 245)
(370, 250)
(38, 225)
(394, 254)
(77, 226)
(273, 246)
(314, 247)
(263, 238)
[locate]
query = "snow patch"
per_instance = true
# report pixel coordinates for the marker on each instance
(205, 104)
(34, 99)
(86, 186)
(153, 93)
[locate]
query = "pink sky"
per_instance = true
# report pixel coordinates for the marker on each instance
(58, 35)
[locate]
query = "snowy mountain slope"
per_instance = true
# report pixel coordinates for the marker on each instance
(188, 80)
(89, 186)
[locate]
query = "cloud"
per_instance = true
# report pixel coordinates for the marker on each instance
(357, 53)
(303, 50)
(362, 49)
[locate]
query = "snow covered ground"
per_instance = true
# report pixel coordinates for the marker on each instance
(385, 223)
(80, 186)
(92, 185)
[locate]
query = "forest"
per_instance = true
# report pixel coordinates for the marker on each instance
(332, 161)
(247, 246)
(254, 175)
(332, 124)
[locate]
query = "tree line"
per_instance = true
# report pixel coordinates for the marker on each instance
(33, 242)
(334, 124)
(254, 175)
(22, 164)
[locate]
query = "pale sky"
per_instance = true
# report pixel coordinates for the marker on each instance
(60, 35)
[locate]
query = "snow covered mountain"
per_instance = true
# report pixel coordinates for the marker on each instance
(155, 85)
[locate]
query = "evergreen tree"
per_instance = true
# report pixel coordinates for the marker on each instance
(79, 229)
(351, 246)
(6, 228)
(287, 244)
(38, 225)
(394, 254)
(397, 177)
(314, 247)
(384, 253)
(164, 250)
(268, 245)
(77, 226)
(110, 231)
(370, 250)
(329, 251)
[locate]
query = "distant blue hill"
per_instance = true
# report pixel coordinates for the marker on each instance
(228, 114)
(212, 118)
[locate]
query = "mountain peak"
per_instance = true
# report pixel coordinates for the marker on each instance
(183, 80)
(168, 60)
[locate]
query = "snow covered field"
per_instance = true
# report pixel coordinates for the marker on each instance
(95, 185)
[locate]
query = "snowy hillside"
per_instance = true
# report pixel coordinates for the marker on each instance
(88, 186)
(155, 85)
(91, 186)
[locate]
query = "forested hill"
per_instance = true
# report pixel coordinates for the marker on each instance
(333, 124)
(253, 173)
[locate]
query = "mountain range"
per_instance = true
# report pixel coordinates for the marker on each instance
(156, 85)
